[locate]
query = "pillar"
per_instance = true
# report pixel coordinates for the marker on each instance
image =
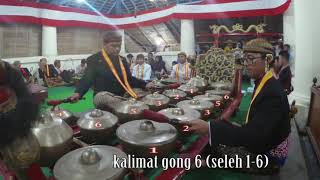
(187, 41)
(49, 41)
(300, 31)
(289, 32)
(123, 45)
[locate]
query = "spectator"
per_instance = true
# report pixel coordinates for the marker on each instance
(287, 47)
(159, 66)
(81, 67)
(278, 48)
(141, 70)
(131, 61)
(150, 58)
(285, 74)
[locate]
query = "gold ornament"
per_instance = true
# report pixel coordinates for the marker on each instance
(216, 29)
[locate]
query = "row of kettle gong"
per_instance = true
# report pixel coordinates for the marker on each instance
(55, 136)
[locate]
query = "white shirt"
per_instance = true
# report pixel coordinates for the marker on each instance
(182, 71)
(80, 69)
(58, 70)
(137, 71)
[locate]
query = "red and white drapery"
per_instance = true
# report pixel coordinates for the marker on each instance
(13, 11)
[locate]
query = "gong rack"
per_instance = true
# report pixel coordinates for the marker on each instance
(184, 151)
(190, 150)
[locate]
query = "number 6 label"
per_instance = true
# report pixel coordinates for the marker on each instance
(98, 124)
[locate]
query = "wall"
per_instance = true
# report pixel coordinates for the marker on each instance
(20, 40)
(301, 29)
(78, 40)
(25, 41)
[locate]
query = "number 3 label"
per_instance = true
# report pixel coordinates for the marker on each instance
(158, 103)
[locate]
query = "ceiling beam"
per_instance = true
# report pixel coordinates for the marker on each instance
(113, 5)
(125, 6)
(118, 6)
(145, 35)
(145, 5)
(138, 29)
(175, 34)
(156, 4)
(134, 5)
(59, 2)
(193, 2)
(167, 3)
(102, 6)
(173, 30)
(159, 35)
(135, 40)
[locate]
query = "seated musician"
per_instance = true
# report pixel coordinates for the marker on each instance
(18, 112)
(56, 68)
(181, 71)
(81, 67)
(267, 124)
(141, 70)
(24, 71)
(108, 71)
(228, 47)
(285, 74)
(47, 75)
(43, 69)
(58, 72)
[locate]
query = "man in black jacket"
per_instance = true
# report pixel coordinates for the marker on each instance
(267, 124)
(285, 74)
(108, 71)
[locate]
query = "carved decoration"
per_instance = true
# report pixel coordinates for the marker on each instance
(216, 66)
(216, 29)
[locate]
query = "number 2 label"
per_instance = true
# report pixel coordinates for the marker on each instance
(185, 128)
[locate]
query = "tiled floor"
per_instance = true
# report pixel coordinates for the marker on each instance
(311, 161)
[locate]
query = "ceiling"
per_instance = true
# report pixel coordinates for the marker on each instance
(117, 6)
(148, 38)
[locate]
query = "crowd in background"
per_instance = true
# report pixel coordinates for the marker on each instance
(49, 74)
(146, 68)
(152, 67)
